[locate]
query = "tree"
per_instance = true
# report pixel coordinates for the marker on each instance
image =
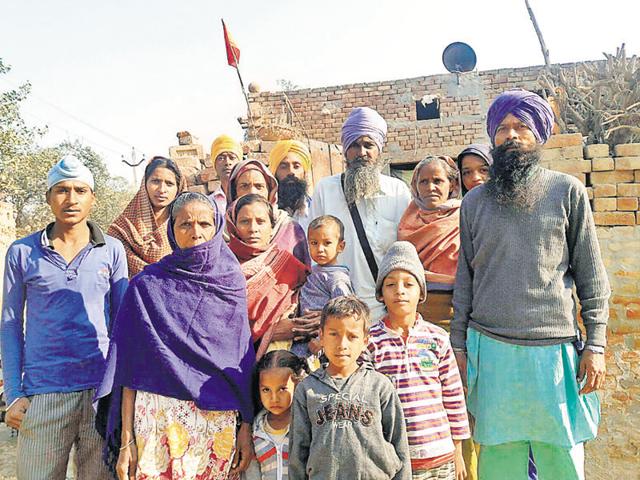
(15, 136)
(24, 166)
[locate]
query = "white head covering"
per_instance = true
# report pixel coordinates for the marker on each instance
(69, 168)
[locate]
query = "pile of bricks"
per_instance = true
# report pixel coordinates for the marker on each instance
(613, 181)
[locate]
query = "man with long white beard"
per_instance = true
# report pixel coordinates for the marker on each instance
(368, 203)
(527, 239)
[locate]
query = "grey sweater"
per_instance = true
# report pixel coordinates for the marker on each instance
(348, 430)
(517, 269)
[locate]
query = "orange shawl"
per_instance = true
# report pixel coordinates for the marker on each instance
(145, 239)
(434, 233)
(436, 236)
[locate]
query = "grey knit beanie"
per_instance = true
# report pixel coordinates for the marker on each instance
(402, 256)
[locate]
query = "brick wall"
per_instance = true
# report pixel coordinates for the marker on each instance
(463, 101)
(613, 183)
(201, 175)
(616, 451)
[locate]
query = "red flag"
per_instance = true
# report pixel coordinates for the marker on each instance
(233, 52)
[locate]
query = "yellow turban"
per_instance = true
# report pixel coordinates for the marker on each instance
(285, 147)
(224, 143)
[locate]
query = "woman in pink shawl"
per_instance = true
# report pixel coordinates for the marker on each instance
(432, 224)
(272, 280)
(253, 176)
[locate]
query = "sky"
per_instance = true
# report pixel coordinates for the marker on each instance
(129, 74)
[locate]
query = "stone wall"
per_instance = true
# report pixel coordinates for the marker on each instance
(463, 102)
(7, 232)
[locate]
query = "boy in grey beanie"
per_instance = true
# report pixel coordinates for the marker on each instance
(418, 356)
(402, 256)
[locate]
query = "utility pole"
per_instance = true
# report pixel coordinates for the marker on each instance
(133, 164)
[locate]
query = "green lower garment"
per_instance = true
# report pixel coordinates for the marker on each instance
(509, 461)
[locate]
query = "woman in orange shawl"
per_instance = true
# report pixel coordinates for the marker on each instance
(142, 226)
(432, 224)
(274, 275)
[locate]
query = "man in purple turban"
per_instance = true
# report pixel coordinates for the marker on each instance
(378, 201)
(527, 240)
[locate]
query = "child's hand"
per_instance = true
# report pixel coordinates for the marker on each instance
(458, 460)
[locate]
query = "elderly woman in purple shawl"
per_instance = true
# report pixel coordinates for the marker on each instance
(180, 360)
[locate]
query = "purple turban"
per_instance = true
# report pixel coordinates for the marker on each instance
(528, 107)
(363, 121)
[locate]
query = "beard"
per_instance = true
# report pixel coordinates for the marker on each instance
(292, 194)
(361, 180)
(513, 174)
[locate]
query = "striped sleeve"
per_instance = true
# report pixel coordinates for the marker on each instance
(453, 395)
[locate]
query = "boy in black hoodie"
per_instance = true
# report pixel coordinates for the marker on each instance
(347, 419)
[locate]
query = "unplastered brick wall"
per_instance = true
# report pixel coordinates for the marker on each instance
(612, 177)
(198, 168)
(463, 102)
(615, 453)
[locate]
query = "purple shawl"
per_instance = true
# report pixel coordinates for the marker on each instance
(527, 106)
(182, 332)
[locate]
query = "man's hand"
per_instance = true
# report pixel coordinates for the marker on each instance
(593, 366)
(307, 325)
(15, 413)
(461, 360)
(284, 329)
(244, 450)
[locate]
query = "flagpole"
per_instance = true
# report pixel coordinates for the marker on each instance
(244, 92)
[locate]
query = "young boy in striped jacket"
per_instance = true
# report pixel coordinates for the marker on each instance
(418, 358)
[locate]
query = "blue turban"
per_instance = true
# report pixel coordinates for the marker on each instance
(528, 107)
(363, 121)
(69, 168)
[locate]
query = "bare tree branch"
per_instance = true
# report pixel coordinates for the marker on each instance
(543, 46)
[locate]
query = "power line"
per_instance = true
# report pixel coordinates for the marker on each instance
(74, 117)
(68, 131)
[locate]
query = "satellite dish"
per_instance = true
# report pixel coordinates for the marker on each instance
(459, 57)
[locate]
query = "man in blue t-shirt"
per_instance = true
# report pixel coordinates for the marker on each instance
(62, 288)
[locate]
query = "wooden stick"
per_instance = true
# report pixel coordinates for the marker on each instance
(543, 46)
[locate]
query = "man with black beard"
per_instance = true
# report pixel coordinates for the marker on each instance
(527, 239)
(378, 200)
(290, 163)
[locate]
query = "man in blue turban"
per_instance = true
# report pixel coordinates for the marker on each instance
(63, 286)
(527, 240)
(378, 200)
